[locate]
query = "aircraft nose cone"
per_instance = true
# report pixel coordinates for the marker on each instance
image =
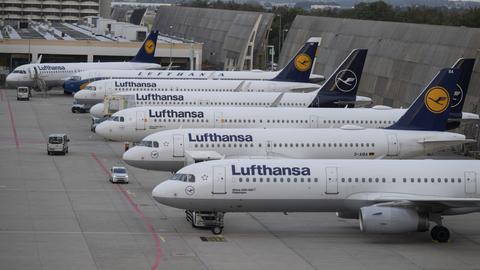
(162, 194)
(9, 80)
(97, 110)
(131, 156)
(102, 129)
(79, 96)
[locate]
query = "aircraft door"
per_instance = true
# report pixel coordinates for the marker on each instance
(331, 180)
(203, 102)
(313, 121)
(218, 119)
(470, 182)
(219, 181)
(392, 145)
(141, 122)
(178, 145)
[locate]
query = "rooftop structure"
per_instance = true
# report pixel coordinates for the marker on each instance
(401, 58)
(52, 10)
(233, 40)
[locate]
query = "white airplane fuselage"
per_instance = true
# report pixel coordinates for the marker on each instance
(133, 124)
(231, 99)
(95, 92)
(54, 74)
(173, 149)
(296, 185)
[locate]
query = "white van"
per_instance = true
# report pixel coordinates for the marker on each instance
(57, 143)
(23, 93)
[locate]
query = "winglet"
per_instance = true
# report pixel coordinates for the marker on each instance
(431, 109)
(239, 88)
(277, 100)
(147, 51)
(342, 85)
(300, 67)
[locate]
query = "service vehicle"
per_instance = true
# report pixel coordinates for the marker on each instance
(23, 93)
(57, 143)
(118, 174)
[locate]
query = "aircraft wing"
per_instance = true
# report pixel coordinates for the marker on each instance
(203, 155)
(427, 202)
(303, 89)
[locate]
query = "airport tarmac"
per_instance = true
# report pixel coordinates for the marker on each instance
(60, 212)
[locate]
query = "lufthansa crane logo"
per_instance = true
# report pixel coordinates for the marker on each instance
(303, 62)
(437, 99)
(190, 190)
(346, 80)
(149, 46)
(154, 154)
(457, 96)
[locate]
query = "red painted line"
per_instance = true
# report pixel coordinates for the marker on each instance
(12, 121)
(139, 211)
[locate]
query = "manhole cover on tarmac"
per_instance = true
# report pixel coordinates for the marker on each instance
(213, 239)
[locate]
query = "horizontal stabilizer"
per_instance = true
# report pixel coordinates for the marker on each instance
(454, 141)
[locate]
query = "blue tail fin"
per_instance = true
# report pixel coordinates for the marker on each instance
(342, 85)
(466, 67)
(147, 51)
(300, 67)
(431, 109)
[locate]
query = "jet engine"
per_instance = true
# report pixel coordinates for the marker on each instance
(383, 219)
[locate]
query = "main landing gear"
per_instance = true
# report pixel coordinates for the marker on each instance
(208, 220)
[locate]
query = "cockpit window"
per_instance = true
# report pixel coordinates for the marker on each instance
(90, 87)
(19, 71)
(117, 118)
(145, 143)
(184, 177)
(153, 144)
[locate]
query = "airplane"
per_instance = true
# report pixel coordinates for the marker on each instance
(387, 196)
(133, 124)
(334, 93)
(418, 132)
(81, 79)
(47, 75)
(292, 78)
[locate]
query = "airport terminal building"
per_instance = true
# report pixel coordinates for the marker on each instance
(93, 39)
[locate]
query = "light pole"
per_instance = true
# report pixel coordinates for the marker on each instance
(267, 47)
(284, 34)
(171, 44)
(279, 32)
